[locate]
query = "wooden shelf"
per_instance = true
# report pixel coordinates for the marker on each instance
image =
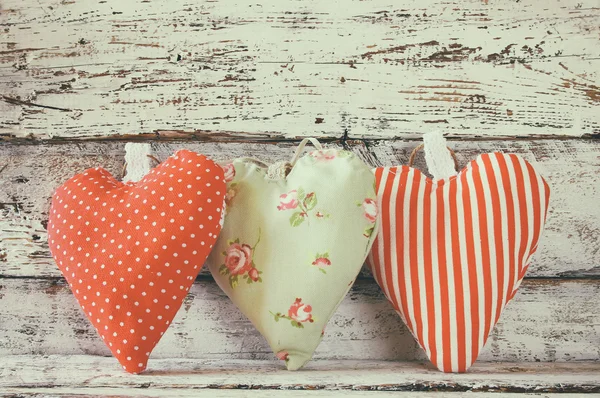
(25, 375)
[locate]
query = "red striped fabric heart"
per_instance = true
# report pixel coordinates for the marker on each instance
(451, 253)
(130, 252)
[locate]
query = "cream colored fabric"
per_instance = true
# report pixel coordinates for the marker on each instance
(437, 155)
(290, 249)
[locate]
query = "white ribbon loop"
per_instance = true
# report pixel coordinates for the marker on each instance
(440, 162)
(301, 146)
(137, 161)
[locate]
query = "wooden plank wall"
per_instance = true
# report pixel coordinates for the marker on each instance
(248, 78)
(373, 69)
(552, 319)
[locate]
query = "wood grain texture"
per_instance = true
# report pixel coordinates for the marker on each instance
(570, 246)
(86, 392)
(243, 392)
(93, 373)
(549, 320)
(281, 69)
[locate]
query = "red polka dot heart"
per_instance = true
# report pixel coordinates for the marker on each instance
(131, 251)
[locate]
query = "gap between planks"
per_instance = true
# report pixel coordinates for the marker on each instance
(53, 392)
(240, 137)
(61, 392)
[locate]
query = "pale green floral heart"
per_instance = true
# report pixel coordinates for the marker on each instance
(291, 248)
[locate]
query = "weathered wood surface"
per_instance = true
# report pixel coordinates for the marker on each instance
(94, 372)
(243, 393)
(214, 73)
(85, 392)
(570, 246)
(285, 69)
(549, 320)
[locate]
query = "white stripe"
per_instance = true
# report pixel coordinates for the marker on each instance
(371, 262)
(503, 216)
(529, 205)
(542, 209)
(543, 204)
(450, 282)
(435, 266)
(517, 206)
(394, 241)
(406, 208)
(477, 246)
(491, 240)
(462, 240)
(381, 247)
(419, 233)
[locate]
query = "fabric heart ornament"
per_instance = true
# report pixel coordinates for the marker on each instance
(131, 251)
(451, 252)
(294, 239)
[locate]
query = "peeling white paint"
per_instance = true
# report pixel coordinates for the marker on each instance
(299, 68)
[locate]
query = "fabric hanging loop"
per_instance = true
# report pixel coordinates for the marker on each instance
(301, 146)
(138, 161)
(440, 160)
(280, 170)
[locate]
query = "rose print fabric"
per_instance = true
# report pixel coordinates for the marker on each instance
(322, 262)
(291, 248)
(302, 203)
(131, 251)
(298, 313)
(239, 263)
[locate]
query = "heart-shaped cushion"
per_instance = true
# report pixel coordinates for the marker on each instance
(291, 247)
(130, 252)
(451, 253)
